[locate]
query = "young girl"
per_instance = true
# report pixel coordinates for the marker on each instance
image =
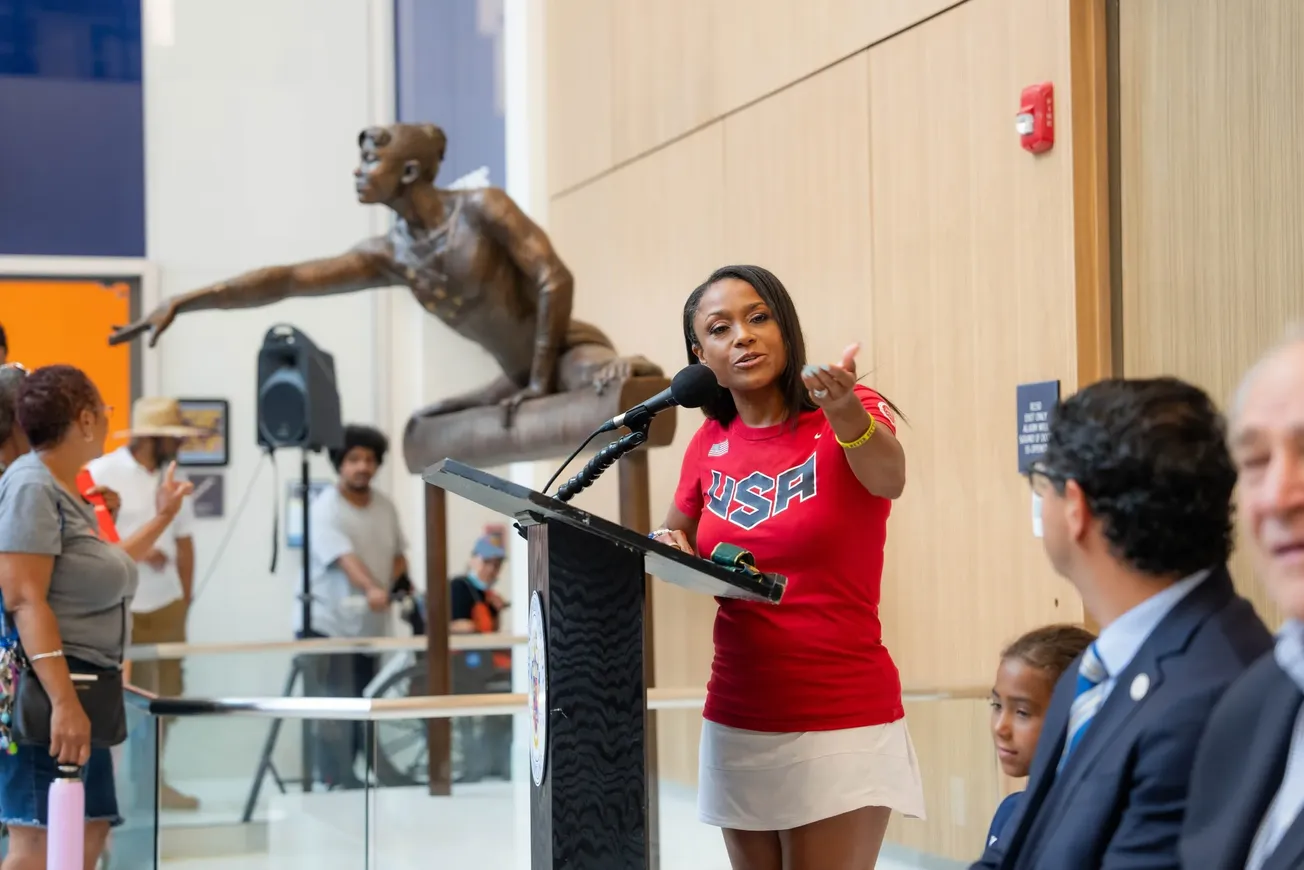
(1029, 669)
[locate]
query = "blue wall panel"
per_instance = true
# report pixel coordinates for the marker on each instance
(72, 138)
(449, 72)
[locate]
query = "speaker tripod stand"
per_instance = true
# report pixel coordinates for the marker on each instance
(298, 407)
(305, 603)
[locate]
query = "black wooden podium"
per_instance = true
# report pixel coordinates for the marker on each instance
(588, 699)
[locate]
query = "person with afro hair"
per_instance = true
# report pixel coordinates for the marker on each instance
(356, 557)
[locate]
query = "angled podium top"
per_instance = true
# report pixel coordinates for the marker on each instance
(521, 503)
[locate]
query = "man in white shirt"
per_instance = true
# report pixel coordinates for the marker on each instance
(356, 558)
(162, 602)
(1247, 787)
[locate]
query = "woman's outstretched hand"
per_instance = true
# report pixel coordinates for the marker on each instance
(832, 384)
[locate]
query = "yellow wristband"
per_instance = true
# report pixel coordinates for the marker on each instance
(869, 433)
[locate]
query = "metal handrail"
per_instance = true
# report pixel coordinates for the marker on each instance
(436, 706)
(320, 646)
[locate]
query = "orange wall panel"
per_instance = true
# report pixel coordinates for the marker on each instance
(51, 320)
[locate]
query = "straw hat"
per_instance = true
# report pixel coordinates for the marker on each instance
(157, 417)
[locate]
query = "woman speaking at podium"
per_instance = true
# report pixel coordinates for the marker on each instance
(804, 749)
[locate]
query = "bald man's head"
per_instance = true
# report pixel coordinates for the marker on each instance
(1267, 444)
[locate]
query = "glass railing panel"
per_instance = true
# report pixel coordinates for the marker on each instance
(222, 770)
(478, 826)
(132, 844)
(213, 760)
(385, 816)
(244, 822)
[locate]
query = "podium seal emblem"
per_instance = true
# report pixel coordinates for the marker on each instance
(537, 653)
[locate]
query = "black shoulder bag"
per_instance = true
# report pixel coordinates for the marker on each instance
(100, 691)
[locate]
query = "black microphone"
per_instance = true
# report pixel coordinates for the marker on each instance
(692, 387)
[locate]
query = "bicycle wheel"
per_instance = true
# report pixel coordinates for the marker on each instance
(402, 754)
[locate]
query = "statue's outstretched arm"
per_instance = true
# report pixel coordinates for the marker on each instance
(361, 268)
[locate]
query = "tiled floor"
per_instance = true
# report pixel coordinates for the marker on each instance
(482, 827)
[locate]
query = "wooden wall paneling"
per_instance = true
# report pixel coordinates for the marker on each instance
(663, 77)
(1212, 192)
(796, 181)
(1093, 274)
(580, 72)
(764, 45)
(973, 293)
(1089, 81)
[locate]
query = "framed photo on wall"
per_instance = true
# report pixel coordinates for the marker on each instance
(211, 448)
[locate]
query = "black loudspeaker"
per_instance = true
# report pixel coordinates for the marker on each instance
(298, 402)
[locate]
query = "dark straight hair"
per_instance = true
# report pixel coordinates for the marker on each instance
(796, 399)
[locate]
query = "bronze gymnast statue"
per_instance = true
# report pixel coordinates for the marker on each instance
(472, 258)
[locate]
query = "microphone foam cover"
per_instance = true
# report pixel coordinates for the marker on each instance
(693, 386)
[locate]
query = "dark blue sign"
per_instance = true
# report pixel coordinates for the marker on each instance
(1036, 403)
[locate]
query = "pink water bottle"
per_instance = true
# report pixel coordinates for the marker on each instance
(66, 834)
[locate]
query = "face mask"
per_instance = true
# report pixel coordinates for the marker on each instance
(1036, 516)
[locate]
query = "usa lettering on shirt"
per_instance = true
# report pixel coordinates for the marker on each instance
(757, 497)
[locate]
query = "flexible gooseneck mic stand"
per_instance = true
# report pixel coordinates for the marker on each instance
(604, 459)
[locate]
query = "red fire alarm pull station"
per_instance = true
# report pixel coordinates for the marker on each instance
(1036, 119)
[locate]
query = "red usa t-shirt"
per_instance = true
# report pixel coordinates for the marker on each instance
(815, 661)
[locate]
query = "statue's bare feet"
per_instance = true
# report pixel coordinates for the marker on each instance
(614, 372)
(621, 369)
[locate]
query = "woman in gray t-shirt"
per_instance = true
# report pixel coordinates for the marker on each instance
(67, 593)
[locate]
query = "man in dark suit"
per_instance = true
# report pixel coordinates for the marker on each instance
(1135, 491)
(1247, 787)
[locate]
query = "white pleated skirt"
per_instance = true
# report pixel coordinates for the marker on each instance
(759, 781)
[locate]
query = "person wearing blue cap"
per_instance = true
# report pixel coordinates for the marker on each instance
(474, 605)
(475, 608)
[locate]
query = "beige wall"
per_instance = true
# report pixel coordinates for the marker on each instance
(1212, 191)
(866, 153)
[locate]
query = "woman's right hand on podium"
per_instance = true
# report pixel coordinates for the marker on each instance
(674, 538)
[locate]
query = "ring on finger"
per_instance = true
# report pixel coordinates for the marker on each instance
(819, 394)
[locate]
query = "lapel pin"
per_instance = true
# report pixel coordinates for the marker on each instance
(1140, 686)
